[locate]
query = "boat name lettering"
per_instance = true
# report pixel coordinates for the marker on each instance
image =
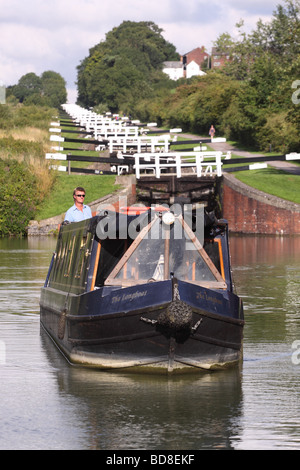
(133, 296)
(208, 298)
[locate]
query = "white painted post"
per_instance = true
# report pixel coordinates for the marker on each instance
(258, 166)
(56, 138)
(178, 166)
(137, 166)
(198, 164)
(166, 143)
(56, 156)
(219, 163)
(157, 165)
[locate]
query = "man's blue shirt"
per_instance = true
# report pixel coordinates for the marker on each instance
(75, 215)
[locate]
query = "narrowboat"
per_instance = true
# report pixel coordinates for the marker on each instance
(145, 289)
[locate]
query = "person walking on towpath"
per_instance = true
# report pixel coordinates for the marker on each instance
(212, 132)
(79, 211)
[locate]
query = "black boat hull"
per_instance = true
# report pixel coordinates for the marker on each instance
(138, 328)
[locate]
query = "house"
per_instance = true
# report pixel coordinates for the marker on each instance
(189, 65)
(199, 57)
(174, 69)
(192, 69)
(219, 59)
(192, 63)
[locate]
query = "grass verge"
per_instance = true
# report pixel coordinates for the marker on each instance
(61, 196)
(272, 181)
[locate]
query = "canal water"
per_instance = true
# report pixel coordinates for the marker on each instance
(47, 404)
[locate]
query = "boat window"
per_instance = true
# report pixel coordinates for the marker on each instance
(60, 255)
(110, 254)
(214, 251)
(84, 253)
(69, 255)
(164, 252)
(72, 259)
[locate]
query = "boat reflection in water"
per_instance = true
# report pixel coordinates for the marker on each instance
(138, 290)
(120, 410)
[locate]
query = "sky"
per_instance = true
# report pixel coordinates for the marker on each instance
(40, 35)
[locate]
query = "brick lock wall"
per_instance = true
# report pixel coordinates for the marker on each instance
(254, 212)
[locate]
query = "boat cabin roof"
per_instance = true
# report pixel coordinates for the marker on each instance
(123, 249)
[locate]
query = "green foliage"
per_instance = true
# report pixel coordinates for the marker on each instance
(194, 106)
(278, 133)
(213, 99)
(19, 196)
(254, 99)
(27, 85)
(25, 177)
(243, 117)
(6, 116)
(125, 68)
(54, 88)
(13, 148)
(47, 90)
(25, 116)
(249, 100)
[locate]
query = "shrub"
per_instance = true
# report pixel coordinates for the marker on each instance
(12, 117)
(19, 196)
(278, 134)
(32, 115)
(5, 116)
(18, 148)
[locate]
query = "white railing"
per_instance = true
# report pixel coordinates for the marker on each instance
(153, 143)
(115, 131)
(201, 163)
(91, 120)
(124, 138)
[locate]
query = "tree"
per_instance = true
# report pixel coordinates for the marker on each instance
(124, 68)
(266, 61)
(47, 90)
(54, 88)
(28, 84)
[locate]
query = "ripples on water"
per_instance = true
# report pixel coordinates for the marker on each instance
(46, 404)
